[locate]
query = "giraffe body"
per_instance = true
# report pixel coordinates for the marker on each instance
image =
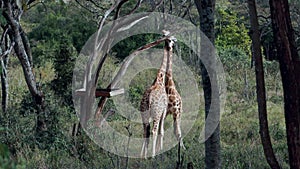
(160, 100)
(174, 98)
(154, 105)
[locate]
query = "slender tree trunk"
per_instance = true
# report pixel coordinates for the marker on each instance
(212, 144)
(4, 83)
(260, 87)
(289, 67)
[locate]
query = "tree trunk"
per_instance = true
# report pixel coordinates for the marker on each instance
(12, 16)
(289, 67)
(4, 82)
(212, 144)
(260, 87)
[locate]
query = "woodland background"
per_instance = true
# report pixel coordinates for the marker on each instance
(57, 32)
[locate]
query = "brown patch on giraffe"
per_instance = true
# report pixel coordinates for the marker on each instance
(171, 99)
(170, 83)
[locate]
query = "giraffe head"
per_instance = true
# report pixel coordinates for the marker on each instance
(170, 42)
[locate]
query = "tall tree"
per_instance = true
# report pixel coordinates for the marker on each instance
(212, 144)
(289, 62)
(260, 87)
(12, 11)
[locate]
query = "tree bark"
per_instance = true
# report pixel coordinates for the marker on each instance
(12, 16)
(212, 144)
(289, 67)
(260, 87)
(5, 50)
(4, 83)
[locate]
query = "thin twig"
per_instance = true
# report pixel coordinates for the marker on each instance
(8, 51)
(108, 114)
(157, 5)
(187, 9)
(135, 7)
(96, 5)
(86, 8)
(35, 4)
(264, 17)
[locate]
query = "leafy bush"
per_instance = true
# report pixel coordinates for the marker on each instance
(231, 31)
(6, 161)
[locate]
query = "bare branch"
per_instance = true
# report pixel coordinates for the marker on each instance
(8, 51)
(108, 114)
(264, 17)
(187, 11)
(86, 8)
(119, 9)
(135, 7)
(31, 1)
(122, 71)
(95, 4)
(89, 80)
(35, 4)
(157, 5)
(190, 17)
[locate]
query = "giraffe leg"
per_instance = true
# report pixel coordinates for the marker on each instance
(146, 135)
(146, 140)
(154, 132)
(158, 143)
(161, 130)
(177, 129)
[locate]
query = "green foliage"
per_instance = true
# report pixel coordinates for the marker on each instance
(53, 26)
(64, 61)
(128, 45)
(240, 77)
(231, 30)
(57, 35)
(234, 59)
(139, 84)
(241, 140)
(5, 159)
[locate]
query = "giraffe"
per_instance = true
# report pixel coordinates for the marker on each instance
(174, 98)
(154, 105)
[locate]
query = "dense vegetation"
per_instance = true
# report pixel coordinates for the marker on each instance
(57, 33)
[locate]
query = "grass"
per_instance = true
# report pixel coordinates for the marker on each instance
(240, 141)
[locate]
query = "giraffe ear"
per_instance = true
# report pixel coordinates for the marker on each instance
(172, 40)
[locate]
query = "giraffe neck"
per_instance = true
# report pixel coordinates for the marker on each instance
(169, 63)
(160, 77)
